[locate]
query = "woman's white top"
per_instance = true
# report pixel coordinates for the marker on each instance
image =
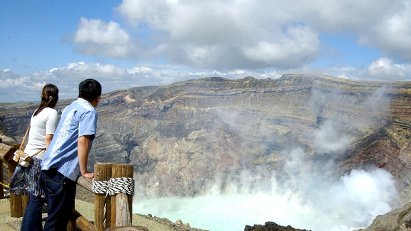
(42, 124)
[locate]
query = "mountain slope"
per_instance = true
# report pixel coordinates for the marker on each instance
(181, 138)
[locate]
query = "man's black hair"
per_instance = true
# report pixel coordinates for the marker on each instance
(89, 89)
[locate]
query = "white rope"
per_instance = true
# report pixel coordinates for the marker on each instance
(112, 187)
(121, 185)
(99, 187)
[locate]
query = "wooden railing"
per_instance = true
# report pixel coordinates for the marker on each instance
(17, 203)
(110, 212)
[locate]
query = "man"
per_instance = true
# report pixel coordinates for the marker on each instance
(67, 155)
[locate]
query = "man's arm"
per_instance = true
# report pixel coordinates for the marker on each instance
(83, 144)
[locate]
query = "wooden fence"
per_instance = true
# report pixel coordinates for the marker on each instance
(110, 212)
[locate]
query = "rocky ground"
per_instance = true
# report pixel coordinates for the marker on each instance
(396, 220)
(269, 226)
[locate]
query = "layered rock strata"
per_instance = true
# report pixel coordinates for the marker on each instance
(182, 137)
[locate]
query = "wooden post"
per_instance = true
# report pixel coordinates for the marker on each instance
(16, 203)
(16, 208)
(1, 180)
(102, 172)
(121, 207)
(1, 175)
(5, 153)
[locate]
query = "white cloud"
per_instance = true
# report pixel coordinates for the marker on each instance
(392, 32)
(137, 70)
(144, 11)
(385, 69)
(15, 87)
(220, 35)
(25, 87)
(263, 34)
(96, 37)
(226, 35)
(341, 16)
(114, 77)
(97, 31)
(298, 46)
(72, 65)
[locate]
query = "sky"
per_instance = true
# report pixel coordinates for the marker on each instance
(127, 43)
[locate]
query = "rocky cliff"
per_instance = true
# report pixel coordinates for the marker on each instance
(180, 137)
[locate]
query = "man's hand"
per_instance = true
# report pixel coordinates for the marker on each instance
(88, 175)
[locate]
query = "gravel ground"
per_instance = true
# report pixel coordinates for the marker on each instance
(86, 209)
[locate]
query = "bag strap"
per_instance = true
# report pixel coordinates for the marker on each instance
(38, 152)
(25, 135)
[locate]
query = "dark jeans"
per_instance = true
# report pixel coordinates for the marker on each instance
(32, 214)
(60, 194)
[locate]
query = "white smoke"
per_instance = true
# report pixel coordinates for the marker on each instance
(379, 102)
(295, 197)
(350, 203)
(327, 139)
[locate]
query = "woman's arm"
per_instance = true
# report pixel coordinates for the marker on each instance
(49, 137)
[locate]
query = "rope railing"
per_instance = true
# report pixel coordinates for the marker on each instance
(113, 189)
(112, 186)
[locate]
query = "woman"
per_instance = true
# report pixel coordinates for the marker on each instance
(24, 181)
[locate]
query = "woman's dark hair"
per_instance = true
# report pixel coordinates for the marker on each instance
(89, 89)
(49, 98)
